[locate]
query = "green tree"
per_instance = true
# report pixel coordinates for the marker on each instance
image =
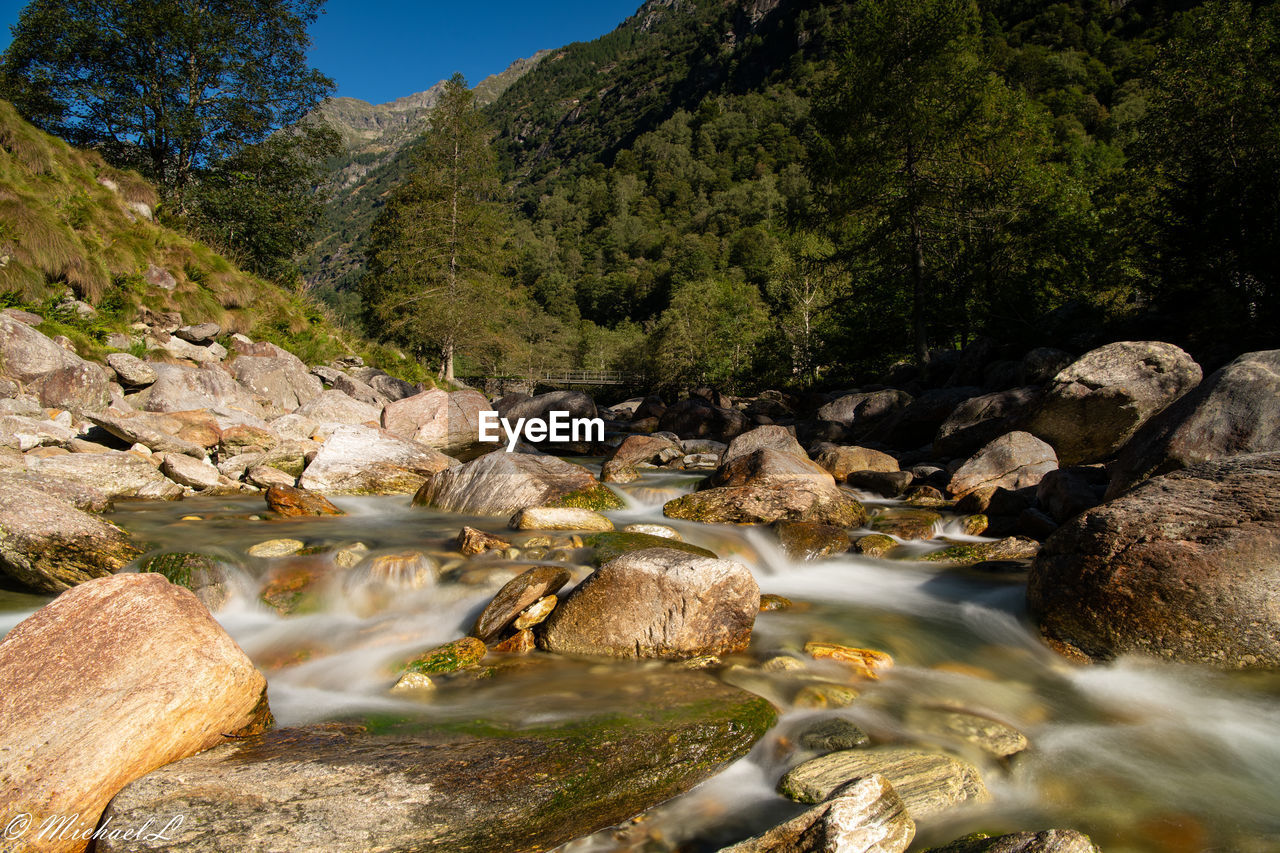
(911, 130)
(260, 206)
(1208, 162)
(435, 250)
(709, 334)
(803, 284)
(164, 86)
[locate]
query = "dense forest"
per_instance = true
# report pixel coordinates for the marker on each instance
(769, 193)
(762, 192)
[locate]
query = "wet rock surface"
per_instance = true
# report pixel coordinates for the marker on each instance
(416, 788)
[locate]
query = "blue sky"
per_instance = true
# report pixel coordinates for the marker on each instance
(379, 50)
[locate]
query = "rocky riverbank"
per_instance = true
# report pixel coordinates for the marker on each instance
(1135, 497)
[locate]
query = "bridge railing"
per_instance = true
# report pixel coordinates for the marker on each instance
(566, 377)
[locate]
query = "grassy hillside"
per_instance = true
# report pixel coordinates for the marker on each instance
(70, 222)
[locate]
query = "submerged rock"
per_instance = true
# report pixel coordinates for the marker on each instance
(804, 540)
(609, 546)
(293, 503)
(413, 788)
(109, 681)
(1049, 841)
(659, 603)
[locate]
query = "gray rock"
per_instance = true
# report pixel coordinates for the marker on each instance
(79, 495)
(352, 387)
(1067, 492)
(636, 451)
(49, 545)
(1042, 364)
(500, 483)
(660, 603)
(918, 423)
(148, 430)
(576, 403)
(890, 484)
(558, 518)
(842, 461)
(335, 407)
(831, 734)
(449, 422)
(991, 736)
(1098, 402)
(927, 782)
(116, 474)
(1015, 460)
(865, 817)
(775, 438)
(182, 389)
(860, 411)
(1184, 567)
(979, 420)
(131, 370)
(1049, 841)
(1233, 412)
(60, 379)
(697, 418)
(23, 433)
(281, 379)
(632, 744)
(185, 471)
(365, 460)
(201, 333)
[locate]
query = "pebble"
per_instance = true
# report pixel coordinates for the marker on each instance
(277, 548)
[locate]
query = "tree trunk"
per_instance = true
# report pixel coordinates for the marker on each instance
(917, 262)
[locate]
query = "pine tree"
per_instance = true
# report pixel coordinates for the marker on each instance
(435, 248)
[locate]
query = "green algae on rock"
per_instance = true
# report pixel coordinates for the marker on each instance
(611, 545)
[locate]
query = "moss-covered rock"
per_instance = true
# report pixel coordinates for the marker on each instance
(875, 544)
(598, 497)
(753, 504)
(907, 523)
(465, 788)
(450, 657)
(614, 544)
(968, 553)
(201, 574)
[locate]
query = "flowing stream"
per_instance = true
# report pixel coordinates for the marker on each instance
(1143, 756)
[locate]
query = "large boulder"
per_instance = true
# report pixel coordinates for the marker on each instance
(694, 417)
(1233, 412)
(623, 464)
(860, 411)
(979, 420)
(349, 385)
(840, 461)
(449, 422)
(1095, 404)
(500, 483)
(365, 460)
(618, 746)
(335, 407)
(1049, 841)
(918, 423)
(576, 403)
(1015, 460)
(657, 603)
(49, 545)
(280, 379)
(153, 431)
(1185, 567)
(131, 370)
(109, 681)
(61, 379)
(24, 433)
(770, 437)
(181, 389)
(117, 474)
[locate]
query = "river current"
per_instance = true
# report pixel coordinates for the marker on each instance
(1146, 757)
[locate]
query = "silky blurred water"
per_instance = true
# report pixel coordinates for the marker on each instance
(1144, 756)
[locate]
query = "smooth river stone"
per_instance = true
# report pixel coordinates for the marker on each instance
(927, 782)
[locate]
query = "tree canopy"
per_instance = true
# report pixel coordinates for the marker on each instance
(164, 86)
